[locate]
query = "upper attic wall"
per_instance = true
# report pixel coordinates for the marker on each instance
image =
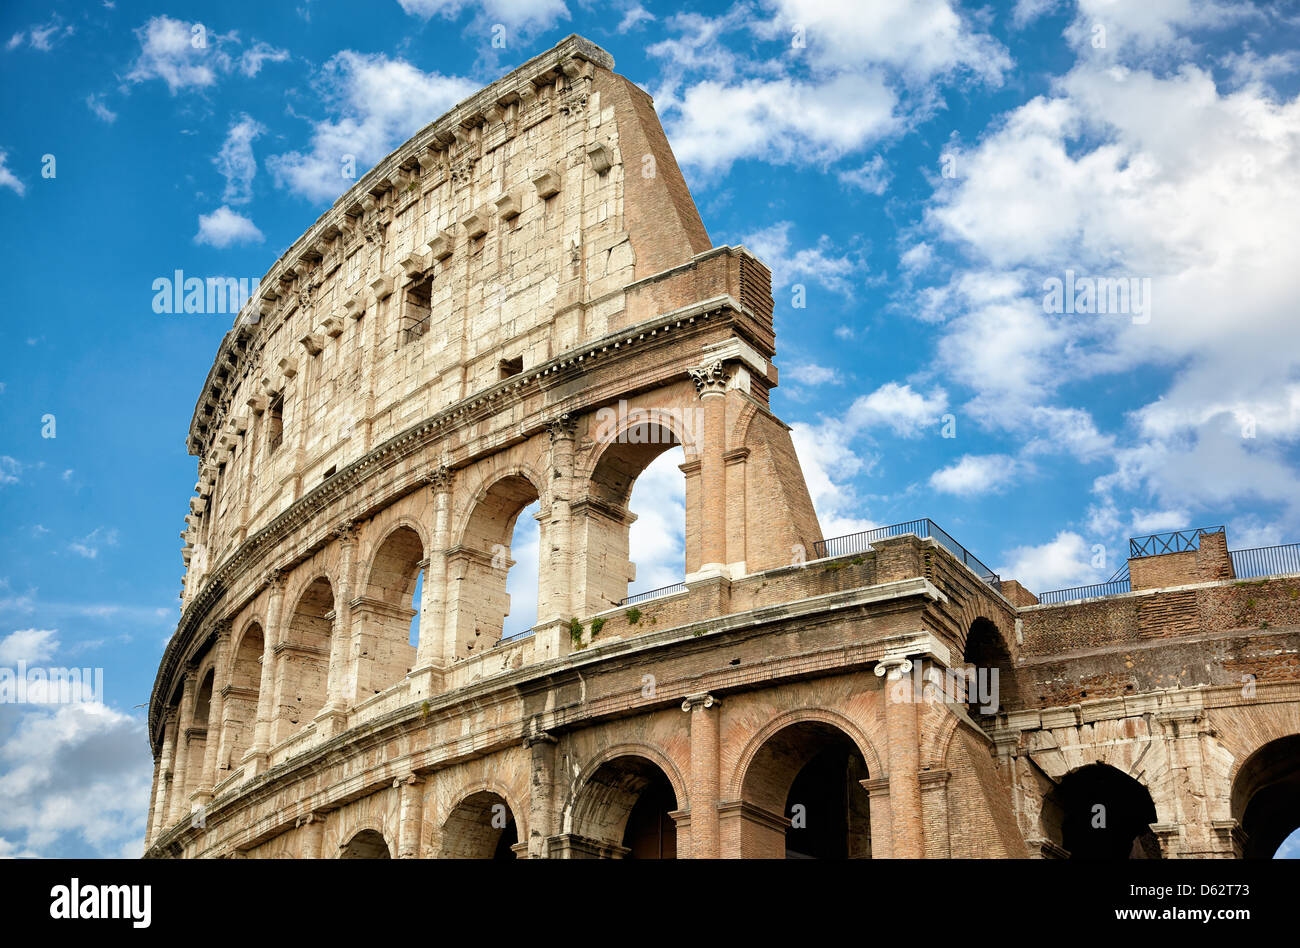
(564, 113)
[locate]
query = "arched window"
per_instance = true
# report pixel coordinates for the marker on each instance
(240, 705)
(388, 611)
(1098, 812)
(810, 774)
(303, 667)
(1266, 797)
(367, 844)
(625, 808)
(480, 827)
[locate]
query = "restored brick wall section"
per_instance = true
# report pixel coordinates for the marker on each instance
(981, 815)
(1209, 562)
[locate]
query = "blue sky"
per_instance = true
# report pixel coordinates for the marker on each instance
(912, 175)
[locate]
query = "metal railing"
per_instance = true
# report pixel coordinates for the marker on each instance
(653, 594)
(1085, 592)
(1266, 560)
(514, 637)
(924, 528)
(1174, 541)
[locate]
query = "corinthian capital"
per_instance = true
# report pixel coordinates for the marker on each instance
(562, 427)
(710, 378)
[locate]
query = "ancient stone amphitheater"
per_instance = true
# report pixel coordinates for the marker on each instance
(520, 305)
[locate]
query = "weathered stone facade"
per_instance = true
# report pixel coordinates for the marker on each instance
(522, 304)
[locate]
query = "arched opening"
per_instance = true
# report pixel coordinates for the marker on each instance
(240, 705)
(1266, 797)
(635, 514)
(808, 775)
(302, 671)
(383, 618)
(198, 736)
(367, 844)
(990, 671)
(625, 808)
(481, 826)
(1102, 813)
(478, 568)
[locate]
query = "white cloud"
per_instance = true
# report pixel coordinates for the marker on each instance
(223, 227)
(975, 474)
(89, 545)
(830, 466)
(250, 61)
(906, 412)
(29, 645)
(1133, 30)
(917, 257)
(1156, 521)
(521, 14)
(73, 772)
(95, 102)
(873, 177)
(657, 539)
(379, 103)
(782, 121)
(42, 37)
(809, 373)
(1165, 178)
(819, 263)
(191, 56)
(1061, 563)
(634, 17)
(9, 180)
(921, 39)
(10, 468)
(236, 162)
(521, 581)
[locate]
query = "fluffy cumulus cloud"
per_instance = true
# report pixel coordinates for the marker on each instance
(376, 103)
(1190, 192)
(224, 228)
(835, 78)
(657, 538)
(8, 179)
(73, 776)
(28, 645)
(1067, 560)
(520, 14)
(820, 263)
(236, 161)
(975, 474)
(188, 55)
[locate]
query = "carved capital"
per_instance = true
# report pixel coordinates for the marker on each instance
(439, 479)
(565, 426)
(346, 531)
(702, 701)
(893, 666)
(275, 579)
(710, 378)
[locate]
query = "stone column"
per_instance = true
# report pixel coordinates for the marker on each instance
(541, 793)
(556, 554)
(163, 785)
(266, 688)
(711, 384)
(702, 708)
(1184, 827)
(345, 657)
(208, 779)
(903, 729)
(432, 648)
(180, 795)
(410, 818)
(311, 832)
(736, 462)
(882, 834)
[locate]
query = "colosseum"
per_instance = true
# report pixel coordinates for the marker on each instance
(521, 306)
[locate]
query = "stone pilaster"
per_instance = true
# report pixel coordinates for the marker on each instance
(345, 650)
(541, 794)
(711, 385)
(705, 780)
(163, 783)
(902, 725)
(266, 704)
(180, 791)
(211, 749)
(410, 819)
(311, 833)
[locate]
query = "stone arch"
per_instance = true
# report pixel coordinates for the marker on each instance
(799, 716)
(382, 615)
(799, 783)
(602, 518)
(623, 804)
(302, 669)
(239, 705)
(984, 649)
(366, 844)
(1098, 811)
(481, 824)
(478, 563)
(1265, 796)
